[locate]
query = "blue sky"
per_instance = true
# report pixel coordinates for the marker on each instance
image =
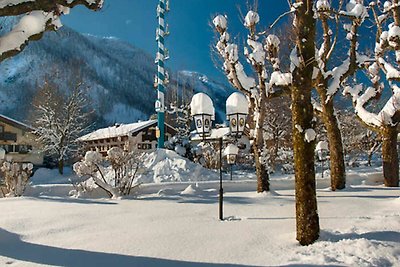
(191, 36)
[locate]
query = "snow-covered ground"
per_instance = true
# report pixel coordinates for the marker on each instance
(176, 224)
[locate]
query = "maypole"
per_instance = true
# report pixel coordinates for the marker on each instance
(162, 75)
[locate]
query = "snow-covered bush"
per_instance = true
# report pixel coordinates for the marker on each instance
(181, 145)
(115, 174)
(207, 154)
(16, 177)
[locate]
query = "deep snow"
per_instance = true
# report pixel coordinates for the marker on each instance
(176, 224)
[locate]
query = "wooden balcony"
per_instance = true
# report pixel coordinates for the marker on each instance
(7, 136)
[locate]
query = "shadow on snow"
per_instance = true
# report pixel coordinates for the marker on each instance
(13, 247)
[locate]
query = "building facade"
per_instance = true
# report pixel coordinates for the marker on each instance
(139, 136)
(18, 142)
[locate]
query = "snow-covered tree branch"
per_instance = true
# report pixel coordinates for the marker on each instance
(385, 65)
(36, 17)
(329, 76)
(115, 174)
(60, 118)
(256, 89)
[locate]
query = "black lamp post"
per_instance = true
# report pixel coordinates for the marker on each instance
(203, 112)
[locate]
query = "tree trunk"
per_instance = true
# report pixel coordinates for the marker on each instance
(369, 159)
(258, 145)
(307, 221)
(389, 156)
(337, 166)
(61, 166)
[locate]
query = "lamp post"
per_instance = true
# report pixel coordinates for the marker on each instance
(322, 150)
(203, 112)
(231, 152)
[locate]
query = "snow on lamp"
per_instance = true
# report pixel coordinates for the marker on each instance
(203, 112)
(237, 110)
(322, 150)
(231, 152)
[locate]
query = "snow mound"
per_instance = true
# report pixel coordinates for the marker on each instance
(167, 166)
(189, 191)
(267, 194)
(52, 176)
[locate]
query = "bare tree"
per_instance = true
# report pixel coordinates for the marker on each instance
(357, 139)
(278, 132)
(298, 83)
(329, 75)
(60, 118)
(385, 63)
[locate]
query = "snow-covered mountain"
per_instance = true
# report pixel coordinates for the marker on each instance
(218, 91)
(119, 76)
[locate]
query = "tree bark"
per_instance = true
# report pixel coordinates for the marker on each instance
(389, 156)
(258, 145)
(337, 166)
(61, 166)
(307, 220)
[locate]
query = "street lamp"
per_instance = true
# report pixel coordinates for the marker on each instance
(231, 152)
(237, 110)
(322, 151)
(203, 112)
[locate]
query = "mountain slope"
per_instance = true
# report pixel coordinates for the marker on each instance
(119, 76)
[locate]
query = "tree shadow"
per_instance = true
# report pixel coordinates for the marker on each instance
(383, 236)
(203, 197)
(75, 200)
(13, 247)
(271, 218)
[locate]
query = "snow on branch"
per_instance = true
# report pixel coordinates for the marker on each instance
(229, 53)
(37, 17)
(333, 78)
(30, 27)
(384, 116)
(19, 7)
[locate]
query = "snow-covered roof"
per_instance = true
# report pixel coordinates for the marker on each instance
(117, 130)
(16, 123)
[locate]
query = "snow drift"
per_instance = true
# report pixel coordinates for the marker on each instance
(167, 166)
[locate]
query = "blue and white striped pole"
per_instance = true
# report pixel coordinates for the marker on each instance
(162, 8)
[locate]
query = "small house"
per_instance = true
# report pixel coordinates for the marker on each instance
(139, 136)
(18, 142)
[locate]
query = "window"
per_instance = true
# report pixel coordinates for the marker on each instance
(23, 149)
(144, 146)
(1, 129)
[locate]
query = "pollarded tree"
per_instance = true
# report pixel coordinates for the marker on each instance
(256, 89)
(37, 16)
(328, 78)
(59, 119)
(299, 83)
(386, 62)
